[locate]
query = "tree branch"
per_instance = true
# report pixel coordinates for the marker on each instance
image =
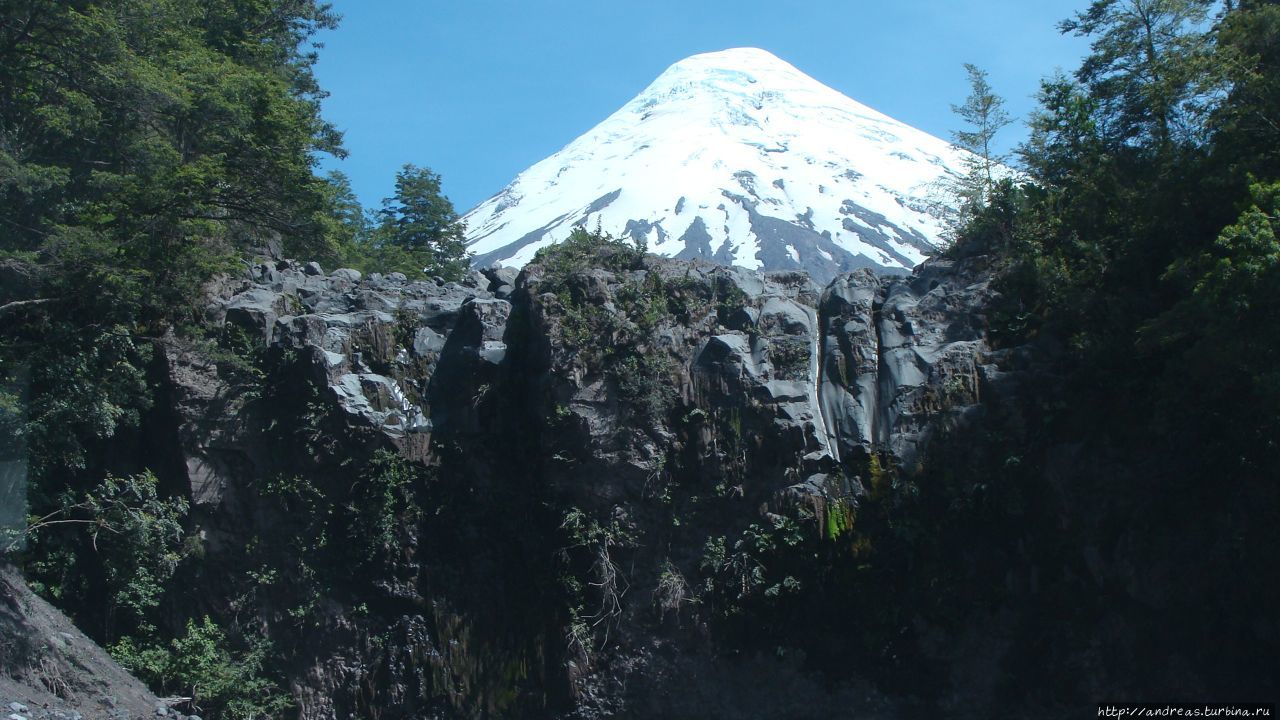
(25, 303)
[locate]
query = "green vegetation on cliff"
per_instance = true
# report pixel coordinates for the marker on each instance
(147, 146)
(1146, 243)
(1115, 519)
(1137, 486)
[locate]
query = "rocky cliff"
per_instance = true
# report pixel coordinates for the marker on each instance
(568, 492)
(618, 485)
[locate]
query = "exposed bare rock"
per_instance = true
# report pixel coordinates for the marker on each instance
(582, 435)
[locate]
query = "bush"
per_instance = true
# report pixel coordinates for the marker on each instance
(223, 684)
(645, 382)
(790, 358)
(135, 539)
(383, 504)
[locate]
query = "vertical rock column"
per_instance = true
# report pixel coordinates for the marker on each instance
(851, 361)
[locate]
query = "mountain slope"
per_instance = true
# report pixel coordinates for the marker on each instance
(49, 669)
(736, 157)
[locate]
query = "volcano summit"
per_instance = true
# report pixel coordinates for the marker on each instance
(739, 158)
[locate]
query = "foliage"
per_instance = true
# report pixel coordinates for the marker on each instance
(1148, 68)
(146, 148)
(672, 591)
(420, 222)
(1105, 251)
(729, 298)
(983, 111)
(366, 524)
(744, 579)
(144, 145)
(1247, 122)
(144, 140)
(644, 381)
(138, 535)
(383, 502)
(1241, 269)
(839, 519)
(223, 683)
(1225, 333)
(240, 356)
(1137, 262)
(85, 388)
(416, 232)
(790, 358)
(589, 554)
(119, 542)
(573, 254)
(1138, 266)
(631, 355)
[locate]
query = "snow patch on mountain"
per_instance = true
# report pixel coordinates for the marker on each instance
(739, 158)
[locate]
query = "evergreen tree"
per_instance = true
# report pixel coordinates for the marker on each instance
(1248, 122)
(1147, 67)
(346, 223)
(983, 111)
(1064, 133)
(143, 142)
(420, 221)
(961, 199)
(1144, 266)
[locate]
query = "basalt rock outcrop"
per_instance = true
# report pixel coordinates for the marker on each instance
(616, 485)
(590, 448)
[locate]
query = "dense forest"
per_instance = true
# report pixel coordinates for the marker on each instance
(1137, 250)
(150, 148)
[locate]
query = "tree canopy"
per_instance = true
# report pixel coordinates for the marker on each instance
(1141, 249)
(420, 222)
(146, 146)
(144, 142)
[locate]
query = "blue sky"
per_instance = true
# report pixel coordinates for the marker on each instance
(478, 90)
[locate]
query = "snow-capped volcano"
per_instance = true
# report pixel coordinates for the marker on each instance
(736, 157)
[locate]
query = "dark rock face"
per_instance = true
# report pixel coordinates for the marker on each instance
(626, 486)
(590, 444)
(899, 352)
